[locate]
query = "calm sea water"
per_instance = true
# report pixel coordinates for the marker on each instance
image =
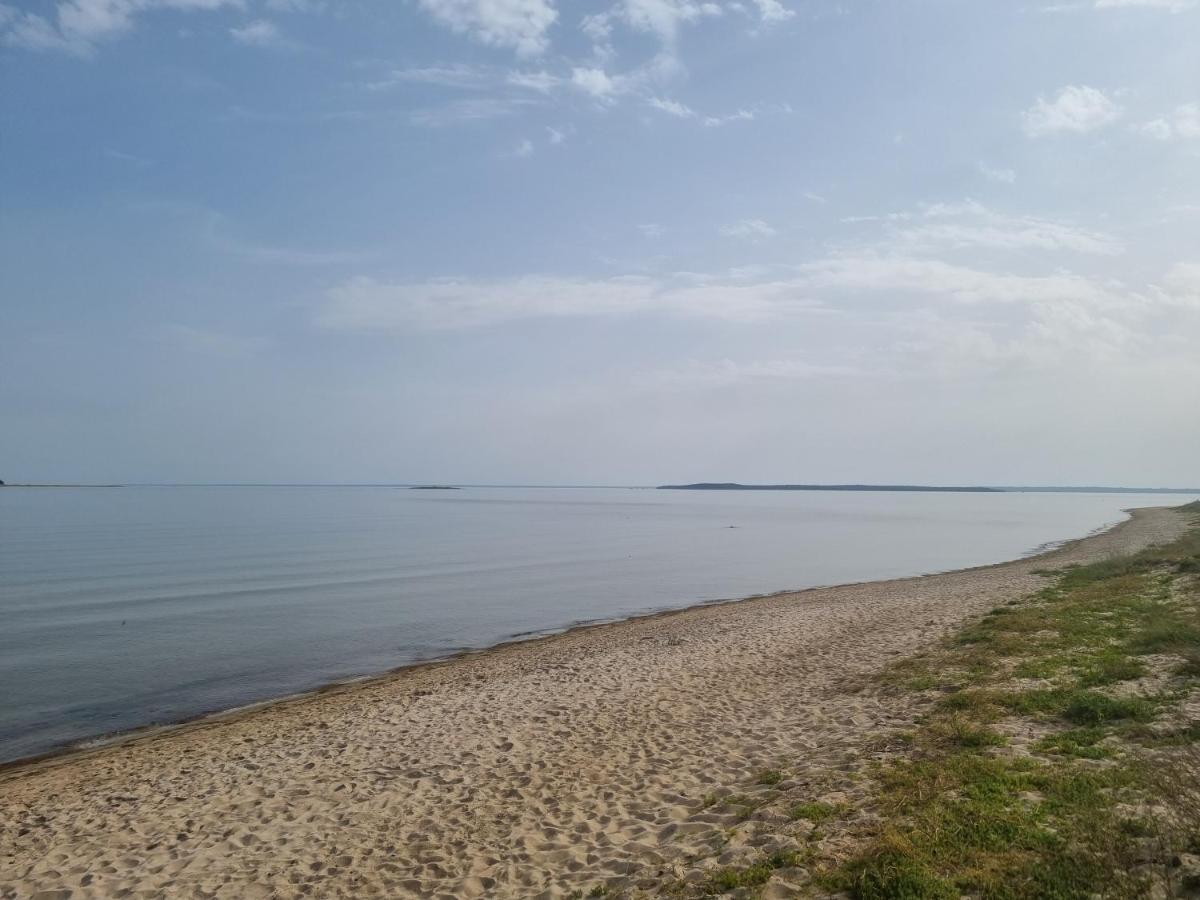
(129, 606)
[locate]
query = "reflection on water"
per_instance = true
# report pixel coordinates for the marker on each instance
(126, 606)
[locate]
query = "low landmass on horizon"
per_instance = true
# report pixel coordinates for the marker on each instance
(734, 486)
(918, 488)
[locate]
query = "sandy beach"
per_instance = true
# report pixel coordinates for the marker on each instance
(542, 768)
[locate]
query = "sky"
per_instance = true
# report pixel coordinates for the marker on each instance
(611, 242)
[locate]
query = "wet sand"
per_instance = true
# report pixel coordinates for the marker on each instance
(533, 769)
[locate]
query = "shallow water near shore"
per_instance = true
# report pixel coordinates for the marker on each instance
(130, 606)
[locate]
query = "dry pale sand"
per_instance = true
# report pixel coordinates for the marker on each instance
(533, 769)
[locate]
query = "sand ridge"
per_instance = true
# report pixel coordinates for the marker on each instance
(536, 769)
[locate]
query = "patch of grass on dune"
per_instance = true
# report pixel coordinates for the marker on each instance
(1171, 633)
(1080, 742)
(753, 875)
(1110, 667)
(1077, 706)
(814, 812)
(965, 814)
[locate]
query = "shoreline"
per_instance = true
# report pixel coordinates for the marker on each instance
(100, 743)
(539, 767)
(108, 740)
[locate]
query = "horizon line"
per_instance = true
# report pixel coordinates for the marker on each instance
(863, 486)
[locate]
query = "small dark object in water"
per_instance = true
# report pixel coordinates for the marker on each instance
(433, 487)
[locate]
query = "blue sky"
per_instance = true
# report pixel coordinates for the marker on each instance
(615, 242)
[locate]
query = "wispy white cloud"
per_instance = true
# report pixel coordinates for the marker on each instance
(1076, 109)
(1003, 176)
(1182, 283)
(960, 317)
(76, 26)
(367, 305)
(596, 82)
(949, 226)
(672, 107)
(1168, 5)
(457, 75)
(742, 115)
(259, 33)
(1074, 6)
(465, 111)
(519, 25)
(838, 284)
(663, 17)
(683, 111)
(911, 275)
(1183, 123)
(727, 372)
(749, 229)
(773, 11)
(884, 217)
(747, 114)
(296, 6)
(540, 81)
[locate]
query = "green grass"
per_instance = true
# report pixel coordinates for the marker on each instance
(1169, 737)
(754, 875)
(1042, 667)
(897, 876)
(1170, 635)
(920, 683)
(975, 703)
(1090, 708)
(1021, 775)
(962, 816)
(957, 731)
(1083, 743)
(814, 812)
(1111, 667)
(599, 890)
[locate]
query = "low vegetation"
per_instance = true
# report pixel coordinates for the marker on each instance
(1057, 755)
(814, 812)
(753, 875)
(1059, 759)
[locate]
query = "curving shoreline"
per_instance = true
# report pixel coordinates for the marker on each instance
(99, 741)
(548, 764)
(104, 741)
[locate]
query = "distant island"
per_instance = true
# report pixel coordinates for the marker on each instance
(433, 487)
(734, 486)
(39, 484)
(919, 488)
